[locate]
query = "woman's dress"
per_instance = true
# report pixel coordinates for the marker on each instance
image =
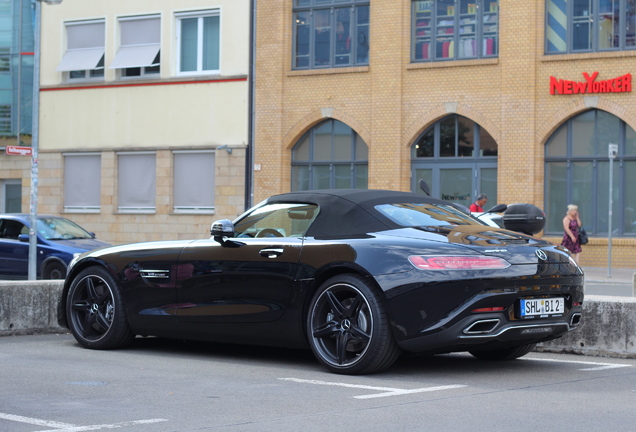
(573, 246)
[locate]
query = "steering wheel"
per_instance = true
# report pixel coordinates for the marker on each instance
(268, 232)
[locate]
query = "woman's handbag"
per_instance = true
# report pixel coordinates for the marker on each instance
(582, 236)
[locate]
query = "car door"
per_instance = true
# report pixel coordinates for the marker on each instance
(14, 254)
(247, 278)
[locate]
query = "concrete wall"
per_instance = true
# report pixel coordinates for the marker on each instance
(608, 327)
(29, 307)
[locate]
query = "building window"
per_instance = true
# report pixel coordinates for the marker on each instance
(330, 33)
(139, 50)
(11, 196)
(577, 172)
(136, 182)
(84, 57)
(458, 159)
(82, 182)
(590, 25)
(454, 30)
(330, 156)
(198, 42)
(193, 181)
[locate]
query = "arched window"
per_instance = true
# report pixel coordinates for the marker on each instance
(577, 172)
(458, 159)
(330, 155)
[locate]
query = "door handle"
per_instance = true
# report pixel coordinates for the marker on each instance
(271, 253)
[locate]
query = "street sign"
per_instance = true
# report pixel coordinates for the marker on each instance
(19, 151)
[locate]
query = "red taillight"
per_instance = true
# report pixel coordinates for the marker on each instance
(430, 262)
(490, 309)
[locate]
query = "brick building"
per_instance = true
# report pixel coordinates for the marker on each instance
(143, 117)
(517, 99)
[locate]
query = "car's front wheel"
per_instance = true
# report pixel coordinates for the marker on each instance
(348, 327)
(95, 311)
(504, 353)
(54, 270)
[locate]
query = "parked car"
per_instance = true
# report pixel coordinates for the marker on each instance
(358, 276)
(59, 239)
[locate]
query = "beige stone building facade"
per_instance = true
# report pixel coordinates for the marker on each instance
(422, 69)
(143, 117)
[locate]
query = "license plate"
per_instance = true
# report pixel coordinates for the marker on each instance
(539, 307)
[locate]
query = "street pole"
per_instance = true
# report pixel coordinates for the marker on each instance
(33, 238)
(611, 153)
(35, 137)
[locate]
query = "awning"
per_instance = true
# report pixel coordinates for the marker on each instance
(135, 56)
(82, 59)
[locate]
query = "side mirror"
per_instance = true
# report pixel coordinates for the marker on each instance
(24, 238)
(498, 208)
(222, 228)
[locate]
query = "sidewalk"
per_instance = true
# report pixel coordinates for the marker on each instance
(619, 275)
(621, 283)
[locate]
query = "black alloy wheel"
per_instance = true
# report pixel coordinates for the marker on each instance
(95, 311)
(504, 353)
(348, 327)
(54, 270)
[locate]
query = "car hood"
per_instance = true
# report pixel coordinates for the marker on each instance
(514, 247)
(78, 245)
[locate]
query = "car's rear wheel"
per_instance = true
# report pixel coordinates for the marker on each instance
(95, 311)
(348, 327)
(54, 270)
(504, 353)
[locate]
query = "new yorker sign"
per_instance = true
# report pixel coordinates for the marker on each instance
(621, 84)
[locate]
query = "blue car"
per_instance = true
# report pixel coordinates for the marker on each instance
(59, 240)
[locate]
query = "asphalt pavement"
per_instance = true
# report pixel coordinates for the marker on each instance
(617, 282)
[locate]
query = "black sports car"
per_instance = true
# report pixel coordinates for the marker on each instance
(356, 275)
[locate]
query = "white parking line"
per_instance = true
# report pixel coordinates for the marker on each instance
(597, 366)
(66, 427)
(386, 391)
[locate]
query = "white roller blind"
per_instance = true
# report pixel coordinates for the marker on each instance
(194, 181)
(82, 182)
(85, 46)
(136, 182)
(140, 43)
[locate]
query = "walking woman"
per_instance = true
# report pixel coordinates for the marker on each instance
(571, 224)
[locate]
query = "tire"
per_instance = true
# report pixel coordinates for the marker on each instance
(54, 270)
(503, 354)
(95, 311)
(348, 328)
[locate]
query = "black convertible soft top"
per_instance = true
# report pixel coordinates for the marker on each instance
(350, 212)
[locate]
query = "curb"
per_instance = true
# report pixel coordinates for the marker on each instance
(608, 327)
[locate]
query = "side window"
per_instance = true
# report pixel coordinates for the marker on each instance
(277, 220)
(12, 229)
(198, 42)
(138, 54)
(330, 33)
(84, 57)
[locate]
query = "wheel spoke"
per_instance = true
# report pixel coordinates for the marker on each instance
(82, 306)
(91, 291)
(327, 329)
(360, 335)
(102, 321)
(335, 304)
(341, 347)
(87, 326)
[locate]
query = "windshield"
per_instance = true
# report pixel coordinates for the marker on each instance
(418, 214)
(61, 229)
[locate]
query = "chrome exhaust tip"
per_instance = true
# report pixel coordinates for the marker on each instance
(576, 319)
(481, 327)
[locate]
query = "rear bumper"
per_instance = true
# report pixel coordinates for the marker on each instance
(492, 331)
